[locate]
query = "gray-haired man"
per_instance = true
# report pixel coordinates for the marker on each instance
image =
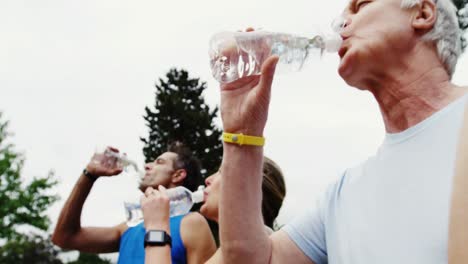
(394, 207)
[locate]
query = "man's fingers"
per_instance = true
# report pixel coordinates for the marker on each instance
(249, 29)
(149, 191)
(249, 81)
(269, 66)
(113, 149)
(117, 171)
(163, 190)
(268, 72)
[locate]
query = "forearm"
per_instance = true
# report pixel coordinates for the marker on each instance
(157, 254)
(69, 222)
(242, 234)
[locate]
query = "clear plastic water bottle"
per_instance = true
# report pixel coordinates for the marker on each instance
(109, 157)
(125, 161)
(181, 201)
(234, 55)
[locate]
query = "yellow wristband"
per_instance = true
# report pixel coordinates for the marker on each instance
(242, 139)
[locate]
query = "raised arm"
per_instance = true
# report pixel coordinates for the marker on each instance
(69, 233)
(195, 232)
(244, 109)
(155, 206)
(242, 234)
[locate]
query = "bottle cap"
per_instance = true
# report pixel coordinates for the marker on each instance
(198, 196)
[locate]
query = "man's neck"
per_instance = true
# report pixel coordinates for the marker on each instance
(407, 98)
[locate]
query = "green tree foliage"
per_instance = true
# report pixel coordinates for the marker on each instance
(462, 6)
(86, 258)
(21, 204)
(29, 249)
(25, 205)
(181, 114)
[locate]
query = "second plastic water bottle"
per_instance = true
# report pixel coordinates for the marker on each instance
(181, 201)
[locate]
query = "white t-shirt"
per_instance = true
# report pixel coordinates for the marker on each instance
(393, 208)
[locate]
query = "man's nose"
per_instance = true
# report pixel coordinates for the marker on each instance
(340, 23)
(346, 21)
(208, 181)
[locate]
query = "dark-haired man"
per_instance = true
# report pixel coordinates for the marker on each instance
(191, 238)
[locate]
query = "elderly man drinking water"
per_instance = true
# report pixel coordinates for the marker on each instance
(392, 208)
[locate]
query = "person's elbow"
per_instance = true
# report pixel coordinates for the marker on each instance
(243, 251)
(235, 250)
(63, 239)
(59, 240)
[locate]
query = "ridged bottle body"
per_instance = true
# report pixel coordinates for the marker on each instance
(234, 55)
(181, 201)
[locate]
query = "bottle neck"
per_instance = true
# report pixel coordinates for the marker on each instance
(317, 42)
(199, 195)
(330, 43)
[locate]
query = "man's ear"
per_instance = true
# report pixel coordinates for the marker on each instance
(179, 176)
(425, 16)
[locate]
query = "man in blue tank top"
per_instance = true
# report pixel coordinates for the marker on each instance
(192, 241)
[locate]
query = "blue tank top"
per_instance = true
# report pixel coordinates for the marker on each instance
(132, 248)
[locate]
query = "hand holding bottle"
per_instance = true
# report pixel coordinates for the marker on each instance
(155, 207)
(245, 102)
(106, 163)
(180, 198)
(234, 55)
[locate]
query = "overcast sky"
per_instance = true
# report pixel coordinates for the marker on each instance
(77, 74)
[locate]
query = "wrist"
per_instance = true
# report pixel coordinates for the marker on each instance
(246, 131)
(90, 175)
(241, 139)
(157, 225)
(236, 148)
(157, 238)
(245, 154)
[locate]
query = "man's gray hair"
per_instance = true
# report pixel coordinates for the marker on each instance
(445, 33)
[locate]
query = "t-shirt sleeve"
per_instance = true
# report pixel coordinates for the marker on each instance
(308, 231)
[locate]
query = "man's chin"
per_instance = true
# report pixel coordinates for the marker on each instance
(202, 210)
(348, 74)
(345, 69)
(142, 187)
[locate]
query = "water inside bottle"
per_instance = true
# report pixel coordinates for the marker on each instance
(241, 54)
(180, 203)
(107, 156)
(133, 213)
